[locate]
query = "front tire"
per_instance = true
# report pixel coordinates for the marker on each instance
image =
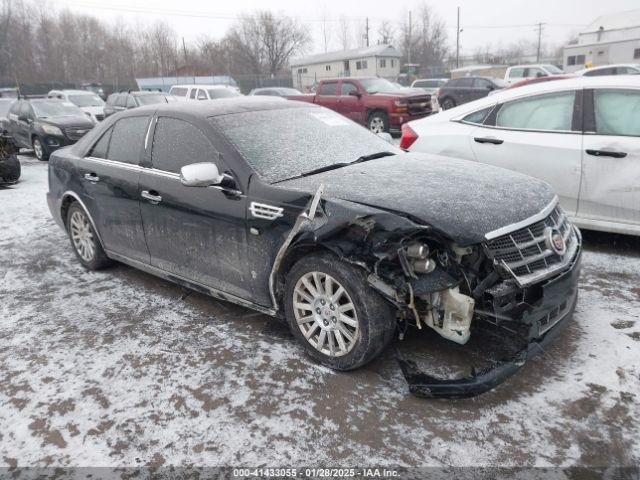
(335, 314)
(378, 122)
(84, 240)
(40, 150)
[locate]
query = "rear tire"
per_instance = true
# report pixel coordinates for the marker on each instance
(378, 122)
(84, 240)
(40, 149)
(448, 103)
(335, 314)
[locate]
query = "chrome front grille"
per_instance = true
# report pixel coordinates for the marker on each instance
(528, 254)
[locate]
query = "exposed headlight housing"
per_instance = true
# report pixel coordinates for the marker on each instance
(52, 130)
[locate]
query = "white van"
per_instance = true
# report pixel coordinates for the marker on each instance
(203, 92)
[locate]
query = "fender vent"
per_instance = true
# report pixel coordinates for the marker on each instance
(262, 210)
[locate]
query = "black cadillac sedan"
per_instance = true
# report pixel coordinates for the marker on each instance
(295, 211)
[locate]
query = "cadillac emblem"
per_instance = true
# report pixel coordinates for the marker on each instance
(555, 241)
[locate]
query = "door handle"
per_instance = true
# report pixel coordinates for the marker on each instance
(492, 140)
(606, 153)
(152, 196)
(92, 177)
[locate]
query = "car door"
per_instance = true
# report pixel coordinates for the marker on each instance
(14, 127)
(350, 105)
(109, 177)
(197, 233)
(463, 91)
(328, 95)
(540, 136)
(610, 190)
(481, 88)
(24, 123)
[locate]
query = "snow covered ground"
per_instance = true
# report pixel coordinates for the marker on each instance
(118, 368)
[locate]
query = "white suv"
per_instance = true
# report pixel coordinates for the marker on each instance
(90, 103)
(522, 72)
(203, 92)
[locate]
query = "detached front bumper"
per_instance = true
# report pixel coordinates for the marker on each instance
(548, 318)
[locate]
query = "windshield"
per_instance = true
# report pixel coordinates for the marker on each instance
(86, 100)
(56, 109)
(379, 85)
(281, 144)
(152, 99)
(553, 69)
(222, 93)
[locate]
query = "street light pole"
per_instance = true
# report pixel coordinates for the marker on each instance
(458, 41)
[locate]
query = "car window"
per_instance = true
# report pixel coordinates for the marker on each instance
(464, 82)
(264, 92)
(171, 155)
(347, 87)
(516, 73)
(599, 72)
(616, 112)
(25, 110)
(15, 108)
(312, 137)
(127, 139)
(215, 93)
(202, 95)
(101, 147)
(179, 91)
(121, 101)
(478, 117)
(131, 102)
(541, 112)
(535, 72)
(111, 100)
(481, 83)
(328, 88)
(192, 93)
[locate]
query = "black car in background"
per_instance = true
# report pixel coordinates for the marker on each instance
(117, 102)
(46, 124)
(467, 89)
(5, 105)
(298, 212)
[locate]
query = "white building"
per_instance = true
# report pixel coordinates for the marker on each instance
(607, 40)
(378, 61)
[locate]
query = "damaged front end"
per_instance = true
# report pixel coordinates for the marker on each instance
(522, 280)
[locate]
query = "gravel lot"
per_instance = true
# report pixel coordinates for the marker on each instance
(119, 368)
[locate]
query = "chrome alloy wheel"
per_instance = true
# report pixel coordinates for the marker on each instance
(376, 125)
(82, 236)
(38, 149)
(325, 314)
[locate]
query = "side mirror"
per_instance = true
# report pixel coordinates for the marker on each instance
(202, 174)
(490, 87)
(355, 93)
(386, 136)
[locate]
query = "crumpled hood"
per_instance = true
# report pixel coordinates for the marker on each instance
(465, 200)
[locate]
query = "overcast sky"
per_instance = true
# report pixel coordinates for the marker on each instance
(485, 22)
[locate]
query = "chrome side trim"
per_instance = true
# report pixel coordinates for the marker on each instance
(71, 193)
(172, 277)
(524, 223)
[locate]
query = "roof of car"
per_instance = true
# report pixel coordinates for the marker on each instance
(224, 106)
(601, 67)
(613, 81)
(200, 85)
(73, 92)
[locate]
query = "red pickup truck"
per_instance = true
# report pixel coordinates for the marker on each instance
(374, 102)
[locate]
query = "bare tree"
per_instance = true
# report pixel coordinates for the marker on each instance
(386, 32)
(344, 33)
(426, 38)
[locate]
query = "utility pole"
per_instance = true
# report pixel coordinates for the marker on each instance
(366, 35)
(409, 42)
(539, 41)
(458, 41)
(184, 50)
